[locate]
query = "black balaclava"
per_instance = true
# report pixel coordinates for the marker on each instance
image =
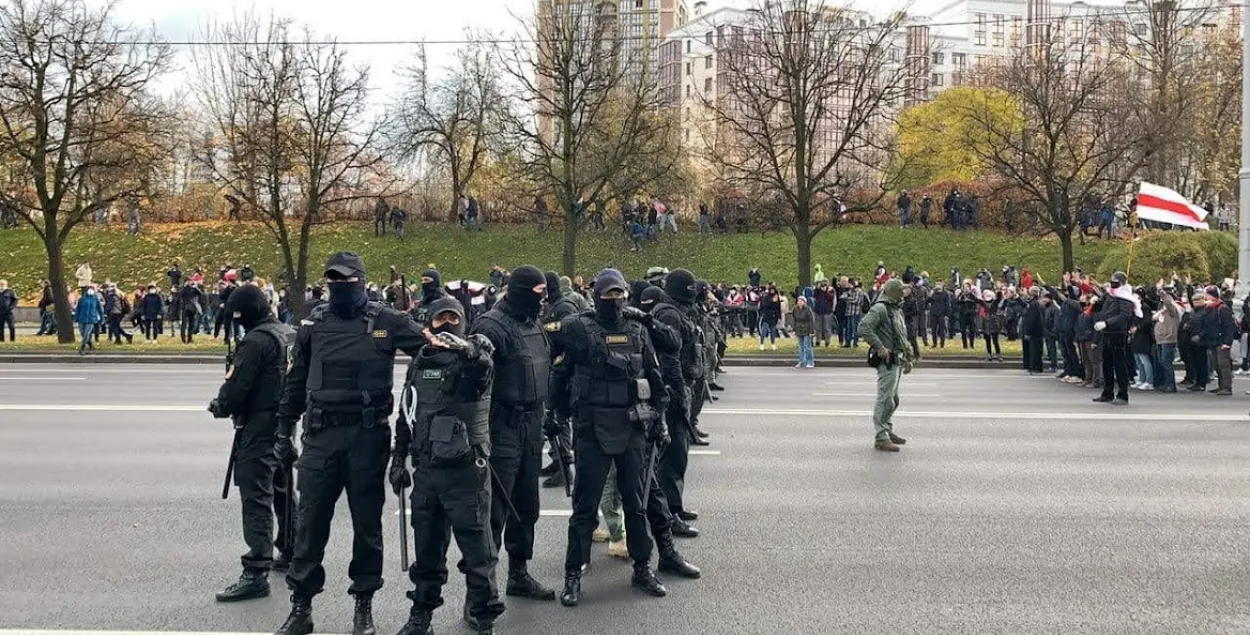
(346, 298)
(521, 294)
(249, 306)
(651, 297)
(1118, 279)
(553, 286)
(430, 290)
(609, 311)
(636, 288)
(680, 286)
(444, 305)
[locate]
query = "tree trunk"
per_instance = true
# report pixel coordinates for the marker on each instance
(56, 275)
(569, 260)
(803, 241)
(1065, 245)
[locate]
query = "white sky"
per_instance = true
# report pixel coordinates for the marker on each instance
(347, 20)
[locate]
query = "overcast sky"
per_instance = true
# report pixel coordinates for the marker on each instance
(435, 21)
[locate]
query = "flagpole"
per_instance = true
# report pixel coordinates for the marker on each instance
(1243, 177)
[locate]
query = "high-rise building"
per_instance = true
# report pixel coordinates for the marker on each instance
(631, 29)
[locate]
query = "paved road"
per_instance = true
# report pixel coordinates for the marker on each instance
(1034, 513)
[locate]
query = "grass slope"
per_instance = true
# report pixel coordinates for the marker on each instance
(854, 250)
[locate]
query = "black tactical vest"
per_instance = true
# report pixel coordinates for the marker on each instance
(608, 379)
(442, 390)
(692, 350)
(521, 380)
(285, 337)
(350, 368)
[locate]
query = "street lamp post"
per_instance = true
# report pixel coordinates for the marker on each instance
(1243, 177)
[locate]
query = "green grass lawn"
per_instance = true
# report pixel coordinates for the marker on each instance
(853, 250)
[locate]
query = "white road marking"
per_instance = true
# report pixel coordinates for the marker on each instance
(102, 408)
(704, 452)
(872, 393)
(565, 513)
(31, 631)
(20, 379)
(1117, 414)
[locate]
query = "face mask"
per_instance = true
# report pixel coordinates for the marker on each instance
(347, 298)
(90, 291)
(527, 302)
(609, 311)
(448, 327)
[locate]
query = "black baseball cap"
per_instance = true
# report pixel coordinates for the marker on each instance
(345, 264)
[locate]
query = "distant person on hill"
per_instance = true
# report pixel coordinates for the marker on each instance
(381, 215)
(399, 217)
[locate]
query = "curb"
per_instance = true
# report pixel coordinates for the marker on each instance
(732, 360)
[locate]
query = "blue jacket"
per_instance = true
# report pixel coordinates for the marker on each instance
(153, 306)
(89, 310)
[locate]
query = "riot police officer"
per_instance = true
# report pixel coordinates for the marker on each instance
(342, 375)
(683, 316)
(522, 362)
(431, 290)
(617, 402)
(562, 302)
(447, 396)
(250, 395)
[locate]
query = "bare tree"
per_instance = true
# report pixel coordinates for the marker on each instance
(1157, 39)
(73, 112)
(454, 120)
(1079, 133)
(294, 141)
(806, 93)
(587, 108)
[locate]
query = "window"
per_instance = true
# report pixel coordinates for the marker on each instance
(687, 46)
(707, 62)
(708, 38)
(1140, 28)
(937, 80)
(937, 58)
(1000, 26)
(979, 34)
(959, 60)
(707, 85)
(1015, 30)
(687, 91)
(638, 4)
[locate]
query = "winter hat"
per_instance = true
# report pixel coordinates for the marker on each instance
(893, 291)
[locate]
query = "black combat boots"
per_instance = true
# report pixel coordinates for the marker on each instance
(572, 594)
(522, 585)
(300, 621)
(254, 583)
(418, 623)
(645, 580)
(362, 620)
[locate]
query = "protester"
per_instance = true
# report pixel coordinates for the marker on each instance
(804, 321)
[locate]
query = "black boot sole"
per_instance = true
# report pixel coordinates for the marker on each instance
(525, 593)
(244, 597)
(308, 628)
(653, 591)
(699, 441)
(673, 568)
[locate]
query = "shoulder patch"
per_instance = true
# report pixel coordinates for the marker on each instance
(617, 339)
(552, 327)
(380, 334)
(306, 322)
(432, 374)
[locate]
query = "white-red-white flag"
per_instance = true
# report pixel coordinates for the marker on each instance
(1157, 203)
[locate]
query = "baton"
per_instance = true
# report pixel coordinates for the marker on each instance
(234, 455)
(556, 445)
(288, 510)
(650, 474)
(403, 525)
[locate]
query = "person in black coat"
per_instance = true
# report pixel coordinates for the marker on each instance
(1033, 331)
(941, 306)
(1118, 314)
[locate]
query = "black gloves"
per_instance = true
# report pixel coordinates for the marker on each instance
(638, 315)
(399, 476)
(551, 424)
(285, 451)
(658, 434)
(214, 407)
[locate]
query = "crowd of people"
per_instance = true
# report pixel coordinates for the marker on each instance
(614, 376)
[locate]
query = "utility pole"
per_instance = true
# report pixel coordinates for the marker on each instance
(1243, 177)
